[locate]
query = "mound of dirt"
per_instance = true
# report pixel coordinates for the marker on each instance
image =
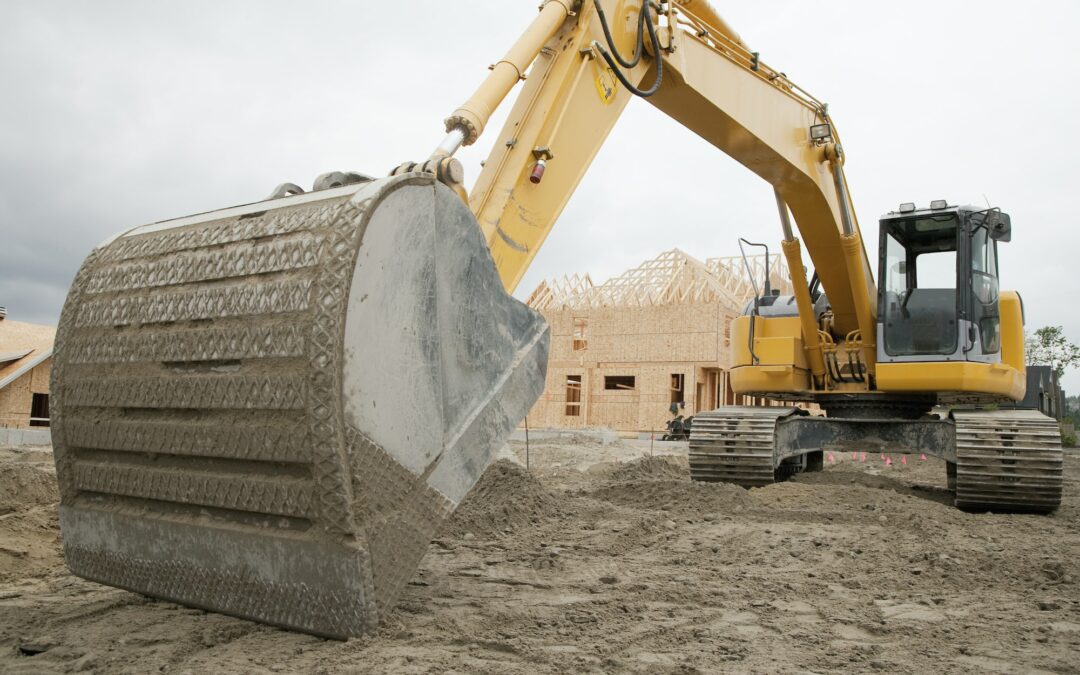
(681, 495)
(29, 529)
(506, 497)
(577, 440)
(30, 544)
(651, 468)
(575, 571)
(24, 486)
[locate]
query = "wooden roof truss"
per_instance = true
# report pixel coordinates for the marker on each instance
(673, 277)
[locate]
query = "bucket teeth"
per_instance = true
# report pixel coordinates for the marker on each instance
(268, 411)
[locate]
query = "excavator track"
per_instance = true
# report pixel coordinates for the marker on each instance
(735, 444)
(1008, 461)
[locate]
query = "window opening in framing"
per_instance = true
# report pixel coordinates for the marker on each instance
(573, 396)
(39, 410)
(581, 341)
(678, 391)
(620, 382)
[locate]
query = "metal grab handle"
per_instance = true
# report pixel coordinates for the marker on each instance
(757, 300)
(750, 273)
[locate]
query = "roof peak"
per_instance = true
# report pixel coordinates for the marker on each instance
(672, 277)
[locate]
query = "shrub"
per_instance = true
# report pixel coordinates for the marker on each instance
(1068, 436)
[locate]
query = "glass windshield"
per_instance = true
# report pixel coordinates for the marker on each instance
(895, 265)
(984, 266)
(984, 289)
(919, 292)
(927, 233)
(937, 270)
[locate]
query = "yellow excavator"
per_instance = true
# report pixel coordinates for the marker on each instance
(268, 410)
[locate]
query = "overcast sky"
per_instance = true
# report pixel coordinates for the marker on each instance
(120, 113)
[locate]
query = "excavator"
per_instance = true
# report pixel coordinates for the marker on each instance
(268, 410)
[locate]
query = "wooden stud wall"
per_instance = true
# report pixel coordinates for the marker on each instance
(17, 397)
(649, 343)
(669, 316)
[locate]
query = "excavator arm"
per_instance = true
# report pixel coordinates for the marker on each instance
(712, 84)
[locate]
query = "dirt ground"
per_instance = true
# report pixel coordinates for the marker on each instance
(595, 561)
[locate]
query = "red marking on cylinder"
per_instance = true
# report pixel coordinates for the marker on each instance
(903, 460)
(537, 174)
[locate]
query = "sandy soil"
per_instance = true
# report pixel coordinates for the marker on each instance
(594, 561)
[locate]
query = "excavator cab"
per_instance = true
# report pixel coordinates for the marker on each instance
(939, 299)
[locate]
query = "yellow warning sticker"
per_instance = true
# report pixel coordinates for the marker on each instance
(605, 81)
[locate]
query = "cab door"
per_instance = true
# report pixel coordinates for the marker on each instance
(919, 306)
(983, 310)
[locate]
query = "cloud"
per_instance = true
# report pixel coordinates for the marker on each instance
(120, 113)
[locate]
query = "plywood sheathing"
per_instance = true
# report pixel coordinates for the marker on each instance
(668, 316)
(22, 377)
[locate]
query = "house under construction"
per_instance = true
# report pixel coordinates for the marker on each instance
(25, 365)
(626, 353)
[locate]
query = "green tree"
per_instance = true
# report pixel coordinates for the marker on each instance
(1049, 347)
(1072, 410)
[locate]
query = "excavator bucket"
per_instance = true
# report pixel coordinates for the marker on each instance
(267, 411)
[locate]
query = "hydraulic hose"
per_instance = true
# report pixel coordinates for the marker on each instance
(644, 22)
(638, 49)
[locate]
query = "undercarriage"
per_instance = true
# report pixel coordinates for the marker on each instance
(996, 460)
